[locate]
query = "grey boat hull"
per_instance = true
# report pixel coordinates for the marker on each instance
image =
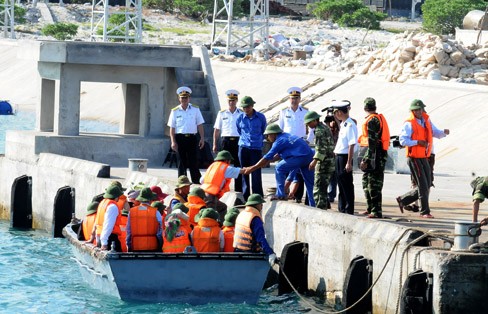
(172, 278)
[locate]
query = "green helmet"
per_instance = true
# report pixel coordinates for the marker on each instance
(417, 104)
(273, 128)
(247, 101)
(223, 155)
(255, 199)
(310, 116)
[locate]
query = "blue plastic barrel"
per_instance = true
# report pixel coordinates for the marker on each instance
(5, 107)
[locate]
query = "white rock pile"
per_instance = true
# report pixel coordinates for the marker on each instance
(407, 56)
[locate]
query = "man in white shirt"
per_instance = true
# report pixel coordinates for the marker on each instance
(185, 120)
(225, 126)
(110, 226)
(344, 150)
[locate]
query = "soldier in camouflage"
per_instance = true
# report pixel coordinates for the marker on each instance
(323, 160)
(373, 159)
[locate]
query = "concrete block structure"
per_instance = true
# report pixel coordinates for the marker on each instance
(149, 76)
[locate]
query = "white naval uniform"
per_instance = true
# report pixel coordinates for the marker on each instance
(185, 121)
(226, 122)
(292, 122)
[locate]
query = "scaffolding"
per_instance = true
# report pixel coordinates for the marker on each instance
(127, 29)
(7, 22)
(257, 23)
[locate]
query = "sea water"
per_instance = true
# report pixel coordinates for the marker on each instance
(25, 120)
(38, 275)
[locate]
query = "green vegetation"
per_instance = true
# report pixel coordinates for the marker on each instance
(363, 17)
(60, 31)
(352, 13)
(114, 21)
(19, 14)
(443, 16)
(182, 31)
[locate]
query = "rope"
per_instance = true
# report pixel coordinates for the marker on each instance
(397, 242)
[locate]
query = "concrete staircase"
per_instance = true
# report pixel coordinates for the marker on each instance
(201, 83)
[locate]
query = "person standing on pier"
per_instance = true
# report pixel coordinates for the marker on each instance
(416, 136)
(323, 159)
(344, 150)
(373, 152)
(185, 120)
(480, 192)
(225, 126)
(250, 126)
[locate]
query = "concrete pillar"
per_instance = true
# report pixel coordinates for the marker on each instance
(155, 112)
(67, 108)
(129, 123)
(45, 114)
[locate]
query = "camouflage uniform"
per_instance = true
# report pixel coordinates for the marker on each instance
(324, 153)
(373, 179)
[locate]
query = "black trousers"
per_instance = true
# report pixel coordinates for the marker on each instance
(346, 186)
(421, 172)
(230, 144)
(187, 156)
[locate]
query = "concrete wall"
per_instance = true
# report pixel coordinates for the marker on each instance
(335, 239)
(49, 173)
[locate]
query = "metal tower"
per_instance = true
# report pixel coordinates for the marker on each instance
(7, 18)
(128, 28)
(256, 23)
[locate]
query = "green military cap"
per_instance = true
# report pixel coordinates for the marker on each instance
(255, 199)
(369, 104)
(207, 213)
(417, 104)
(183, 181)
(181, 207)
(310, 116)
(112, 192)
(247, 101)
(273, 128)
(196, 191)
(92, 208)
(146, 195)
(230, 218)
(223, 155)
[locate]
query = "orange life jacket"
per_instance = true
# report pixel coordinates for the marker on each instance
(206, 236)
(420, 133)
(102, 208)
(143, 228)
(121, 202)
(179, 243)
(229, 238)
(123, 232)
(243, 237)
(88, 224)
(385, 132)
(194, 205)
(214, 176)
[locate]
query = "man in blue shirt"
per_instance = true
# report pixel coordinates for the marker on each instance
(295, 154)
(250, 126)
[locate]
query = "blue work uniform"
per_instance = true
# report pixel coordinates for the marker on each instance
(295, 154)
(251, 131)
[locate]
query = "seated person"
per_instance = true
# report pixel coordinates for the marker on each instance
(207, 235)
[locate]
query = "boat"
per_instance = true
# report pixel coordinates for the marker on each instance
(5, 108)
(193, 278)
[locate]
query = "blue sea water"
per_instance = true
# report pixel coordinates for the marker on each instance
(26, 120)
(38, 275)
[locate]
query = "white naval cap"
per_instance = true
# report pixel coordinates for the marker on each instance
(232, 94)
(294, 91)
(183, 91)
(342, 105)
